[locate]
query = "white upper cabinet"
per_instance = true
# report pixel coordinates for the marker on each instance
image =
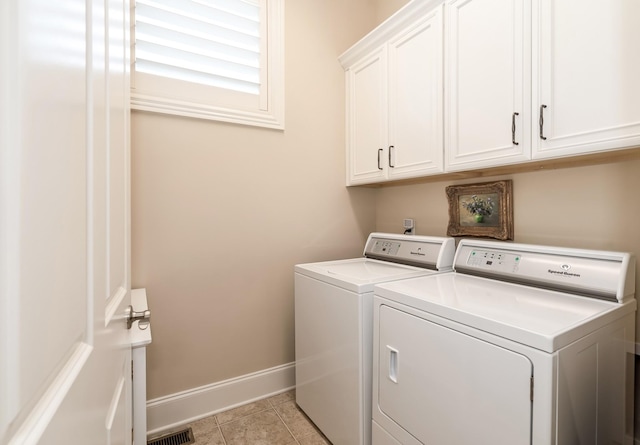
(394, 98)
(487, 83)
(587, 98)
(454, 85)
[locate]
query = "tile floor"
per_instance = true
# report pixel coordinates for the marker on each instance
(276, 420)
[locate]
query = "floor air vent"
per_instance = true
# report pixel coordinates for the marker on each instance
(176, 438)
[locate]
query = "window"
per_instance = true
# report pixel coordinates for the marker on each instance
(211, 59)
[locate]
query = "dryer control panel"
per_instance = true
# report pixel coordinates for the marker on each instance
(599, 274)
(494, 260)
(385, 247)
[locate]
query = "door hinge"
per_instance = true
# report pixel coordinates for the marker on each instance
(131, 369)
(531, 389)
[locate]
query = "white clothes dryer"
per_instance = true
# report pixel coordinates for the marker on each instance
(334, 328)
(521, 345)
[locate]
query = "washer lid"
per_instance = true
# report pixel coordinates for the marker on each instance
(359, 274)
(543, 319)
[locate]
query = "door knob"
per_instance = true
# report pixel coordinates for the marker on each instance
(135, 316)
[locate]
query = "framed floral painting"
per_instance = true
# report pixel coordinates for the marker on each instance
(484, 210)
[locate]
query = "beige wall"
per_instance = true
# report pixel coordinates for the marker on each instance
(594, 207)
(222, 212)
(385, 8)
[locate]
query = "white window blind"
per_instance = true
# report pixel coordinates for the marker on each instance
(216, 59)
(209, 42)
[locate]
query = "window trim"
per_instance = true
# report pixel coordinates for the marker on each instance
(269, 114)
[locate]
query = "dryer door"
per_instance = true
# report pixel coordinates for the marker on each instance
(448, 388)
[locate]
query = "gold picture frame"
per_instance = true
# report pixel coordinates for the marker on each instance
(483, 210)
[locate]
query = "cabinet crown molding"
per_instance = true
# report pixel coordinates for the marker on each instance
(404, 17)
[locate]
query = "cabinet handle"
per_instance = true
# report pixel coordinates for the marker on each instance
(379, 153)
(542, 107)
(390, 149)
(513, 128)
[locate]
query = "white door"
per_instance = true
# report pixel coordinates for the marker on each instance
(588, 94)
(415, 99)
(447, 388)
(64, 222)
(488, 79)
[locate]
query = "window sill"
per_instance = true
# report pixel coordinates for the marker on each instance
(268, 119)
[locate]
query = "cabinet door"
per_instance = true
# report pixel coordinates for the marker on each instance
(415, 99)
(588, 94)
(366, 119)
(487, 67)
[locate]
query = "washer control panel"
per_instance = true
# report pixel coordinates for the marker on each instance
(428, 252)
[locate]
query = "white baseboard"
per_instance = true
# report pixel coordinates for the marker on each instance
(168, 412)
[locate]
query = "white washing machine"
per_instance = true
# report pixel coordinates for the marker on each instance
(333, 328)
(520, 345)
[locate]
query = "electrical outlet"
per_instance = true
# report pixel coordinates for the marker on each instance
(409, 227)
